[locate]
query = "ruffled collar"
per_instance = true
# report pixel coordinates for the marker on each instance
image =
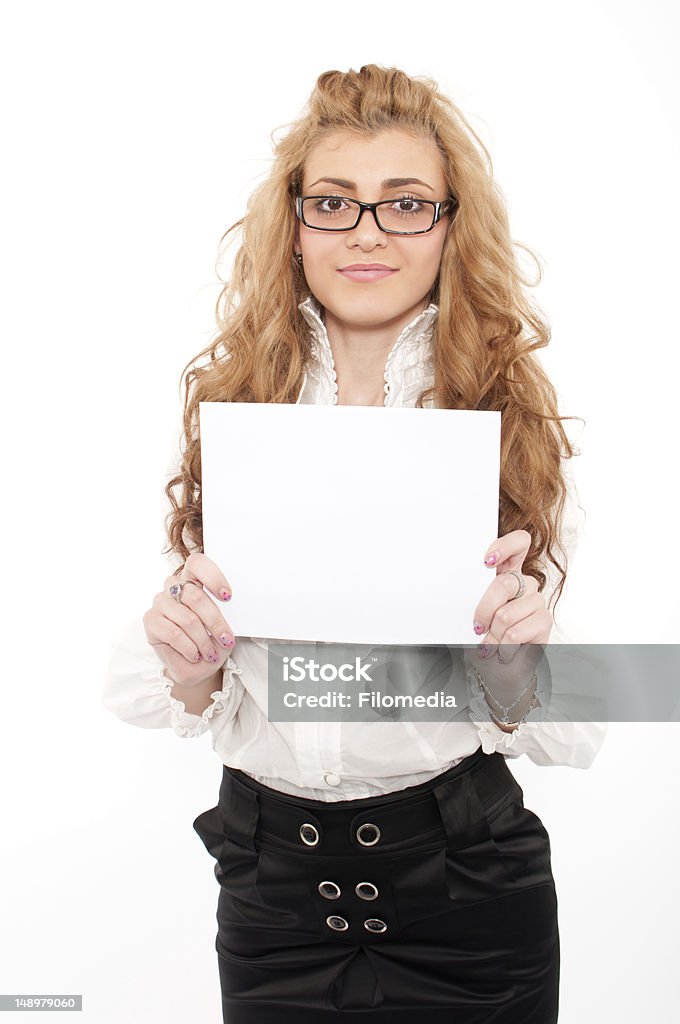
(408, 368)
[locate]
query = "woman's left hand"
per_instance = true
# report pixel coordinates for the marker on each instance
(507, 621)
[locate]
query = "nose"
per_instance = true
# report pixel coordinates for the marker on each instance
(373, 214)
(364, 230)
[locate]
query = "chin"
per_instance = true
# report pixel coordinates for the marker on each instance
(363, 311)
(369, 307)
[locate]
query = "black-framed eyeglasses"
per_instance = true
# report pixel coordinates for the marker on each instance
(404, 216)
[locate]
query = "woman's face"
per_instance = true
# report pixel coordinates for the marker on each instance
(361, 166)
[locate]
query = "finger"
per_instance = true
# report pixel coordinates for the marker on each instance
(506, 619)
(506, 675)
(509, 551)
(202, 569)
(161, 631)
(499, 594)
(182, 616)
(533, 629)
(190, 614)
(209, 615)
(509, 625)
(530, 636)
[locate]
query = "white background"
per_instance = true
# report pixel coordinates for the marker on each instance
(133, 135)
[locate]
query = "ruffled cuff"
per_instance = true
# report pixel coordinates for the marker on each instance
(493, 738)
(186, 724)
(545, 741)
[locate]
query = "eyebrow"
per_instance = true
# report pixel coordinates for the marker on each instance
(387, 183)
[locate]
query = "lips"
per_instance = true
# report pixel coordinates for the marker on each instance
(367, 272)
(367, 266)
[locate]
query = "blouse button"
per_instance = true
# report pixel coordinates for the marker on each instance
(331, 779)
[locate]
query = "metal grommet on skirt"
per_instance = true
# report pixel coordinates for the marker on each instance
(366, 890)
(329, 890)
(463, 912)
(368, 834)
(338, 924)
(309, 834)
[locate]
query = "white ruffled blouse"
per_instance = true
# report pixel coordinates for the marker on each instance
(349, 760)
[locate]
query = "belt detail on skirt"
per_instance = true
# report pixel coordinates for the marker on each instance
(431, 811)
(307, 884)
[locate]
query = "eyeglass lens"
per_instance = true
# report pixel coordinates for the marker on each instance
(341, 214)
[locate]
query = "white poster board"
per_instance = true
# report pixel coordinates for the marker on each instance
(350, 524)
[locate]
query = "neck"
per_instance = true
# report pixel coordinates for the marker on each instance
(361, 351)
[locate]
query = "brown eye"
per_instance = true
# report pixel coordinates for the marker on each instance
(408, 205)
(328, 204)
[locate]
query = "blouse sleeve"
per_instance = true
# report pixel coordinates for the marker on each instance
(550, 735)
(136, 686)
(559, 731)
(137, 689)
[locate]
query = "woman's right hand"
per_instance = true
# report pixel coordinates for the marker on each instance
(191, 637)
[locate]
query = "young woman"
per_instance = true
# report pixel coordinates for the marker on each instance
(382, 868)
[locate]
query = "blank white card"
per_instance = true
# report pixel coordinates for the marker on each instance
(350, 524)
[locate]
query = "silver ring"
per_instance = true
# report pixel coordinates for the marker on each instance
(176, 589)
(520, 580)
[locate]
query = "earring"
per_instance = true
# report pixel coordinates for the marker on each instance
(298, 257)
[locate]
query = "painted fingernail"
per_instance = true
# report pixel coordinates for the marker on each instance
(225, 595)
(212, 656)
(484, 650)
(491, 559)
(227, 641)
(478, 627)
(198, 656)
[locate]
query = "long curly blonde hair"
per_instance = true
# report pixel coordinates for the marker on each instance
(485, 336)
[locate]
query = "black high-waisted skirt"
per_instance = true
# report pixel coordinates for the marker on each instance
(435, 903)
